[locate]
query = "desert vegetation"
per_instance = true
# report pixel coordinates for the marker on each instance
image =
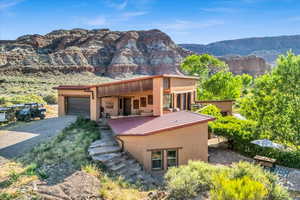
(241, 181)
(19, 88)
(68, 149)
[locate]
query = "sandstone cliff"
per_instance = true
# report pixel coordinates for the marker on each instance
(101, 51)
(251, 65)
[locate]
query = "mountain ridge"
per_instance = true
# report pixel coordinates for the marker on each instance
(266, 47)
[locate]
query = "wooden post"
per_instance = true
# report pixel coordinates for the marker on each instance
(94, 105)
(158, 96)
(61, 105)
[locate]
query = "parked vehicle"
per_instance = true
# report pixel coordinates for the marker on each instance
(31, 111)
(7, 114)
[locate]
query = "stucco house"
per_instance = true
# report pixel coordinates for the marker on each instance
(150, 117)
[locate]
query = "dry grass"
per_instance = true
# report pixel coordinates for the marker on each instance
(15, 180)
(114, 188)
(42, 84)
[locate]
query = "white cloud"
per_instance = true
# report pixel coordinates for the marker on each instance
(8, 3)
(98, 21)
(134, 14)
(117, 4)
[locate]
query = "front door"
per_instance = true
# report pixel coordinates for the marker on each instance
(127, 106)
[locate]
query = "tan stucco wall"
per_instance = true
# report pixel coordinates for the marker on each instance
(192, 141)
(179, 85)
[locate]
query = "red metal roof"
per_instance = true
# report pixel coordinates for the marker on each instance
(139, 126)
(81, 87)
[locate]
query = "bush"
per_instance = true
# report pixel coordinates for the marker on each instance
(211, 110)
(195, 178)
(50, 99)
(2, 101)
(187, 181)
(241, 132)
(29, 98)
(237, 189)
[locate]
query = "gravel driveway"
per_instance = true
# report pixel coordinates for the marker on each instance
(20, 139)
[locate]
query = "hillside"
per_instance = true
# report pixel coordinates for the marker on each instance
(265, 47)
(105, 52)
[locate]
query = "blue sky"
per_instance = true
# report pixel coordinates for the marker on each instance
(186, 21)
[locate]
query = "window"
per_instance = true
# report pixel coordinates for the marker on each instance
(157, 160)
(167, 101)
(166, 83)
(150, 99)
(172, 158)
(143, 102)
(136, 104)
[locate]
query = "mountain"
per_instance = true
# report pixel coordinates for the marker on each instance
(265, 47)
(112, 53)
(105, 52)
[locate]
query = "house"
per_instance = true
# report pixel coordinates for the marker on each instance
(149, 116)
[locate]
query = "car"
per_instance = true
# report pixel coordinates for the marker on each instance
(31, 111)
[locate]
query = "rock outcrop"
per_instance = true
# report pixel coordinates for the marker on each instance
(252, 65)
(101, 51)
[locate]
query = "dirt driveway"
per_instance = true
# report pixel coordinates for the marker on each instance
(21, 138)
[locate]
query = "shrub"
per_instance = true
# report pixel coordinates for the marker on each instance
(189, 181)
(211, 110)
(29, 98)
(241, 132)
(243, 188)
(2, 100)
(238, 132)
(50, 99)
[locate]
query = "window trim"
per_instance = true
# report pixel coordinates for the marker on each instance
(167, 159)
(150, 99)
(144, 101)
(162, 160)
(136, 104)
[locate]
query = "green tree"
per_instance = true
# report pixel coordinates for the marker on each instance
(222, 85)
(275, 102)
(202, 65)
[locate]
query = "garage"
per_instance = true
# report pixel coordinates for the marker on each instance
(78, 106)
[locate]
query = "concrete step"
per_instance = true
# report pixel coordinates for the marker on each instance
(106, 157)
(115, 161)
(104, 127)
(118, 167)
(104, 150)
(103, 143)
